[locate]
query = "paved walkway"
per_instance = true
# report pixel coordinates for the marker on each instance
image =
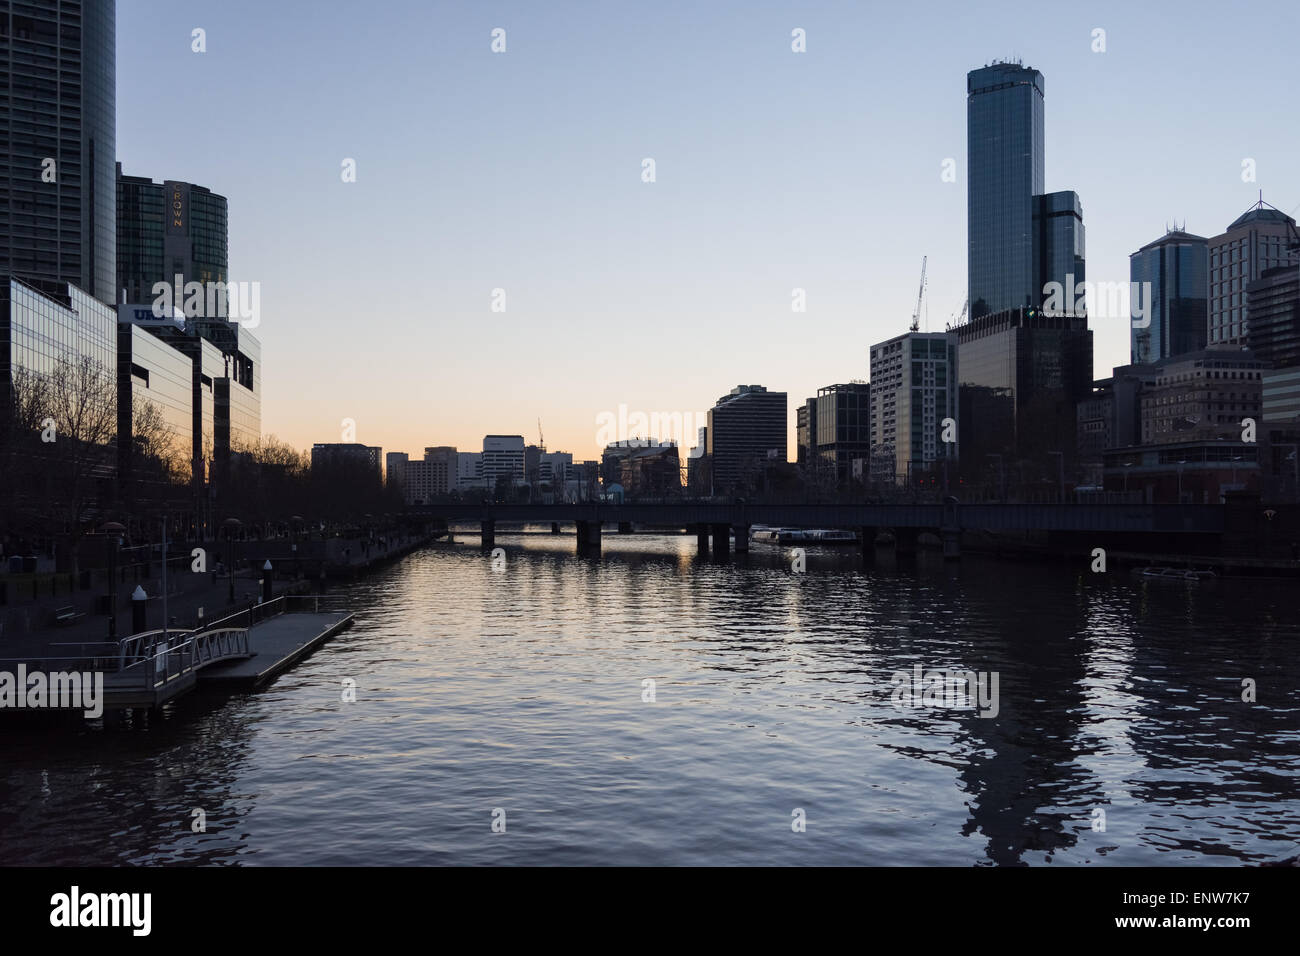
(277, 644)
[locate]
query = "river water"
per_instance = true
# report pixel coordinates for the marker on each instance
(518, 695)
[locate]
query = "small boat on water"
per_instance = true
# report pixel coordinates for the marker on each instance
(1176, 574)
(803, 536)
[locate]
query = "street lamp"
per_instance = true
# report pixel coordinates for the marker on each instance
(1180, 479)
(115, 530)
(231, 524)
(1127, 466)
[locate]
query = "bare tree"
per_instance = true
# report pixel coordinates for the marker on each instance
(63, 439)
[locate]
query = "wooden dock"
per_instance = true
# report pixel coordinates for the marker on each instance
(276, 644)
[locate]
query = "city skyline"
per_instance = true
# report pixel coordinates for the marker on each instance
(523, 176)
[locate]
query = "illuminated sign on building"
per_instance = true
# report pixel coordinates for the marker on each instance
(178, 206)
(143, 314)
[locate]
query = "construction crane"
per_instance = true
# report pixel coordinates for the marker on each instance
(962, 314)
(541, 442)
(916, 316)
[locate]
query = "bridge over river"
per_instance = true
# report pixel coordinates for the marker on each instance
(1184, 528)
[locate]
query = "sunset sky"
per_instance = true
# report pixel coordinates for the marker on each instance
(774, 170)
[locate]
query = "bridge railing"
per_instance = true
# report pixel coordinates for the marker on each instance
(167, 662)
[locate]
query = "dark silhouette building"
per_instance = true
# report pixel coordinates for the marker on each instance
(1176, 266)
(747, 428)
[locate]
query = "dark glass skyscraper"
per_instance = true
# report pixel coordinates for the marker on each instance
(168, 229)
(58, 143)
(747, 428)
(171, 229)
(1004, 149)
(1177, 267)
(1022, 373)
(1058, 241)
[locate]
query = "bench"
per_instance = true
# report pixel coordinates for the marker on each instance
(66, 615)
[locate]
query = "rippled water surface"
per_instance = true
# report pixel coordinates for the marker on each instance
(522, 689)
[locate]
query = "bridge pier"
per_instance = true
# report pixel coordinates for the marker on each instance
(906, 543)
(867, 539)
(625, 527)
(721, 540)
(742, 538)
(702, 540)
(588, 537)
(951, 543)
(489, 532)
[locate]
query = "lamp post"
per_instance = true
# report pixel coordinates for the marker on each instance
(1180, 479)
(115, 530)
(231, 524)
(1127, 466)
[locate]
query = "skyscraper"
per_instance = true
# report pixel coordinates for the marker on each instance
(1058, 241)
(913, 389)
(1260, 238)
(171, 229)
(1022, 373)
(1004, 150)
(58, 144)
(747, 428)
(1176, 267)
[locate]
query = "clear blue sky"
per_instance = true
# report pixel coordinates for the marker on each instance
(775, 170)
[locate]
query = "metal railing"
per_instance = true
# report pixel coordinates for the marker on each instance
(167, 662)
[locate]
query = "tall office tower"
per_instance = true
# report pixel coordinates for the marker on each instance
(1261, 238)
(913, 389)
(842, 429)
(58, 144)
(1275, 337)
(1058, 241)
(171, 229)
(747, 428)
(1004, 154)
(1022, 373)
(1176, 266)
(805, 431)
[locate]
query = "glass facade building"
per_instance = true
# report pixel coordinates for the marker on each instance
(58, 143)
(1176, 268)
(171, 229)
(48, 326)
(152, 372)
(240, 392)
(1058, 242)
(843, 427)
(45, 328)
(1004, 150)
(1021, 374)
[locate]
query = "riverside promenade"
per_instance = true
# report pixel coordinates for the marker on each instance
(207, 641)
(239, 652)
(28, 627)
